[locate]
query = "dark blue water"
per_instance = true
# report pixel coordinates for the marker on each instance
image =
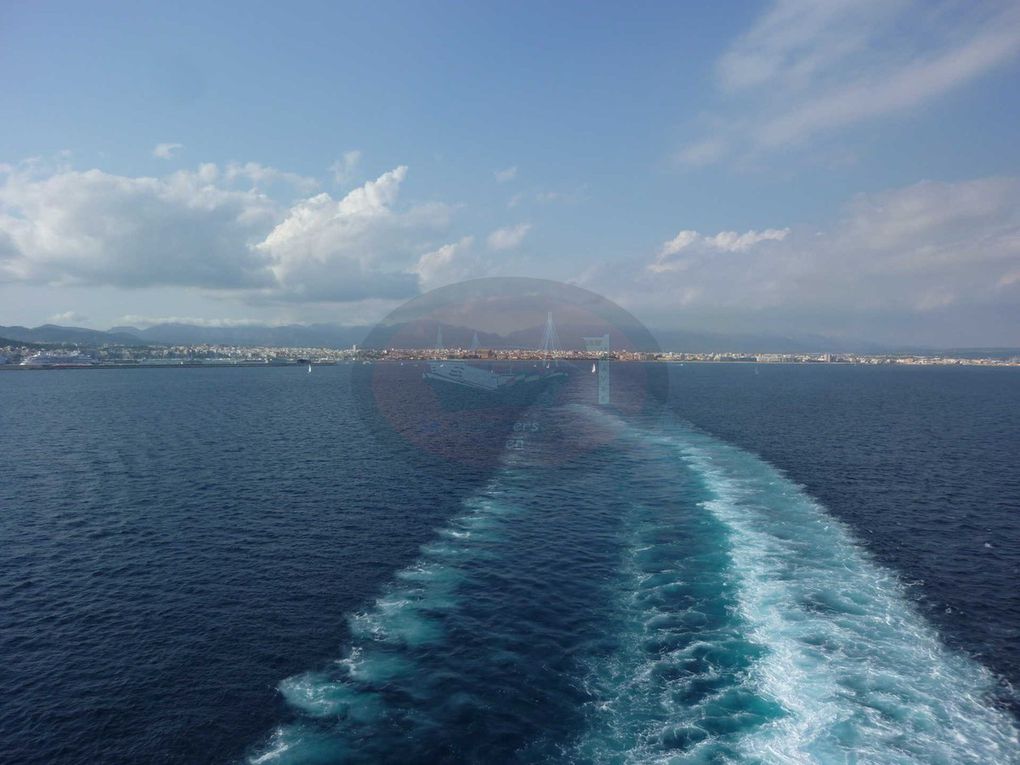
(923, 463)
(223, 565)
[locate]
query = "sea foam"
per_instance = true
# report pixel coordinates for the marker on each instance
(743, 623)
(404, 619)
(822, 658)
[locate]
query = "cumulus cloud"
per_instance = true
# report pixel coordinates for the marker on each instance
(508, 238)
(215, 229)
(506, 175)
(166, 150)
(97, 228)
(344, 168)
(350, 249)
(929, 256)
(807, 67)
(450, 263)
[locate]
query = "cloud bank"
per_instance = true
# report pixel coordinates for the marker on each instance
(214, 228)
(923, 261)
(931, 256)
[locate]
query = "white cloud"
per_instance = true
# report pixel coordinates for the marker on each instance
(897, 89)
(91, 227)
(702, 152)
(1009, 279)
(506, 175)
(508, 238)
(344, 168)
(906, 257)
(724, 241)
(350, 249)
(263, 175)
(794, 42)
(214, 229)
(166, 150)
(808, 67)
(141, 321)
(447, 264)
(68, 317)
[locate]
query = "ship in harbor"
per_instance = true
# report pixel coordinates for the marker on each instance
(58, 359)
(466, 383)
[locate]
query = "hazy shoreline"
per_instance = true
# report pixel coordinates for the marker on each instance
(993, 363)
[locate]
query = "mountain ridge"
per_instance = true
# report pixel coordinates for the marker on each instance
(344, 336)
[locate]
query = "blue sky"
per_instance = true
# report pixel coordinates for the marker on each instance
(844, 168)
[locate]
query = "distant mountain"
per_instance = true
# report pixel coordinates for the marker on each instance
(423, 335)
(51, 333)
(6, 341)
(708, 342)
(290, 335)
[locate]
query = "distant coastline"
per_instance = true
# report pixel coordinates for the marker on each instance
(299, 359)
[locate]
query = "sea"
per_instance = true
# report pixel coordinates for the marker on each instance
(754, 563)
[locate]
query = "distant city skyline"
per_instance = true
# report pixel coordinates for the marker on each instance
(800, 166)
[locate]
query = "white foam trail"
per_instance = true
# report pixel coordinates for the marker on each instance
(859, 675)
(383, 637)
(854, 665)
(842, 667)
(295, 744)
(277, 749)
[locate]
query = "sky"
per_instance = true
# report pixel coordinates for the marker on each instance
(847, 168)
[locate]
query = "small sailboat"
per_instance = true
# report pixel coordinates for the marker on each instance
(593, 367)
(309, 369)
